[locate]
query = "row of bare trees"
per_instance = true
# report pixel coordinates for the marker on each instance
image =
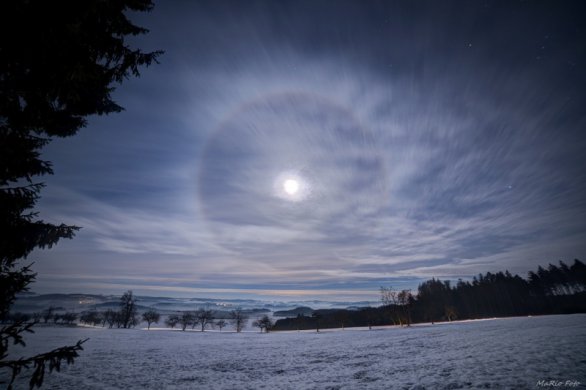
(125, 317)
(205, 318)
(115, 318)
(201, 317)
(67, 318)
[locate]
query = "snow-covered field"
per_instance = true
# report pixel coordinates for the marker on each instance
(512, 353)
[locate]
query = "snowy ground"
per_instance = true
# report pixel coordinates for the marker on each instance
(502, 353)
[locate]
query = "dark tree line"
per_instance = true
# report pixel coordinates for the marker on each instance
(557, 289)
(559, 280)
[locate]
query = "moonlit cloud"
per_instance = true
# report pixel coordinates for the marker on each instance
(420, 146)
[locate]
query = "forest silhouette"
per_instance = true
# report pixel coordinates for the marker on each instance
(553, 290)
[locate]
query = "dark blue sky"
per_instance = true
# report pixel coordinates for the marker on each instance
(418, 140)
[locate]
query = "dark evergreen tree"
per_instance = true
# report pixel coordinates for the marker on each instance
(433, 297)
(58, 68)
(566, 276)
(578, 272)
(342, 317)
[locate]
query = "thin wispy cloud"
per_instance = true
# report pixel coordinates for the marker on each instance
(418, 146)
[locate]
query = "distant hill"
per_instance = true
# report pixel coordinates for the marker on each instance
(301, 310)
(30, 303)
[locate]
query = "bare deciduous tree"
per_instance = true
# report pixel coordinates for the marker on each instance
(194, 320)
(37, 316)
(389, 299)
(110, 317)
(256, 324)
(204, 317)
(102, 318)
(91, 317)
(450, 313)
(69, 318)
(47, 314)
(316, 316)
(18, 317)
(220, 324)
(187, 318)
(151, 316)
(128, 312)
(238, 319)
(264, 323)
(405, 301)
(172, 320)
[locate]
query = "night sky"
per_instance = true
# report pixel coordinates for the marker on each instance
(321, 149)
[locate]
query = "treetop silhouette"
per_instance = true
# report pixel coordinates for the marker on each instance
(59, 63)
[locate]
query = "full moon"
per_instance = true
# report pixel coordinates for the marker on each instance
(291, 186)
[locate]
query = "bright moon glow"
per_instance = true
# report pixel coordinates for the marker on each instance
(291, 186)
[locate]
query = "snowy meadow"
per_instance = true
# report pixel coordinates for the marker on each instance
(530, 352)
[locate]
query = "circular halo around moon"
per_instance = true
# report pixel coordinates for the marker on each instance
(290, 159)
